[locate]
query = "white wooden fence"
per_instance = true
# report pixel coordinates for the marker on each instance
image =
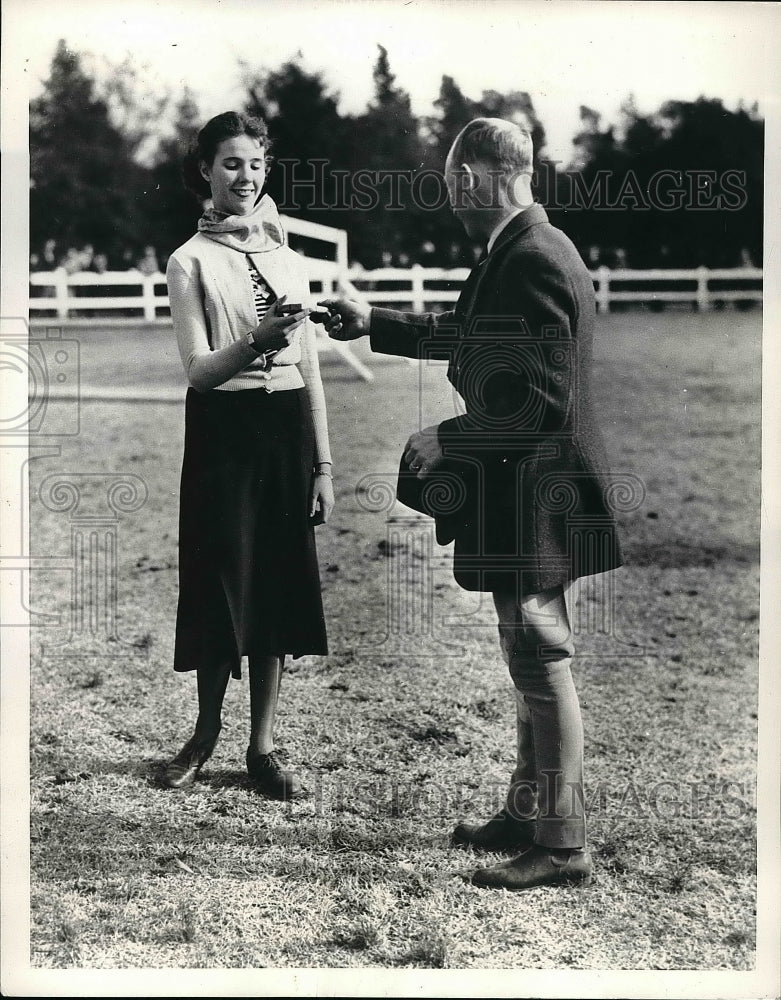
(419, 288)
(129, 296)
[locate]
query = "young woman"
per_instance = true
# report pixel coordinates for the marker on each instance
(256, 474)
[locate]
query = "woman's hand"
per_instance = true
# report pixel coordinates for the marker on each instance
(275, 332)
(322, 502)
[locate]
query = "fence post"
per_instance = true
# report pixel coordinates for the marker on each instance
(342, 259)
(603, 290)
(418, 297)
(148, 293)
(703, 298)
(60, 277)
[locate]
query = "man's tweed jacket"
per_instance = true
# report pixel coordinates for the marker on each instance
(524, 489)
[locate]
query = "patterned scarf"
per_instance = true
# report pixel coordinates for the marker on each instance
(257, 232)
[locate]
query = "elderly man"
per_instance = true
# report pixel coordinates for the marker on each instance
(526, 465)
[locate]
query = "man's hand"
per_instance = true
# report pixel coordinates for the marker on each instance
(349, 318)
(423, 453)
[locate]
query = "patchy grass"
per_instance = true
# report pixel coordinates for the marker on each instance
(406, 728)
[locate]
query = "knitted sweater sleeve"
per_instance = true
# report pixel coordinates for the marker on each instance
(205, 369)
(310, 372)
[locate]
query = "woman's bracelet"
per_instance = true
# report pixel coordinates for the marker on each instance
(320, 471)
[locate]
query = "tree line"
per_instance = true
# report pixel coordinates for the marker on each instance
(679, 187)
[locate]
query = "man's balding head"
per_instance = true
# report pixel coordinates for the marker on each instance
(488, 174)
(500, 144)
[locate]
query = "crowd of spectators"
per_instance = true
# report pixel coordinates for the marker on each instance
(74, 260)
(149, 261)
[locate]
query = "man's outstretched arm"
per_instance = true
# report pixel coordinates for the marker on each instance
(390, 331)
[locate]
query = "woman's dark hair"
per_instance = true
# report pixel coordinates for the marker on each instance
(228, 125)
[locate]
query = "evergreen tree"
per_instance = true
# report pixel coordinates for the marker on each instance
(304, 126)
(454, 112)
(452, 248)
(173, 210)
(598, 162)
(705, 136)
(688, 144)
(84, 180)
(387, 139)
(386, 93)
(134, 107)
(310, 144)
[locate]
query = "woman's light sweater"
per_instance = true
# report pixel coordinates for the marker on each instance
(213, 310)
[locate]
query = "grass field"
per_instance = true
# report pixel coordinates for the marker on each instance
(397, 736)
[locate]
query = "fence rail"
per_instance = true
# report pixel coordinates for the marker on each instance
(420, 287)
(129, 296)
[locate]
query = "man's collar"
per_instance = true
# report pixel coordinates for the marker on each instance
(500, 227)
(521, 219)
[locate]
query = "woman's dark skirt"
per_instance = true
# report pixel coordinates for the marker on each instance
(248, 576)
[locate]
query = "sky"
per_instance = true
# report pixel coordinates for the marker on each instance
(563, 52)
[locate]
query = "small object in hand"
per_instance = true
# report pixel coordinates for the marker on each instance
(289, 308)
(319, 315)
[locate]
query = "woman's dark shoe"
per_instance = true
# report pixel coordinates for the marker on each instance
(183, 769)
(501, 833)
(271, 779)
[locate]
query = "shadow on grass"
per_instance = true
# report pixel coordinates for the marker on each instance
(664, 553)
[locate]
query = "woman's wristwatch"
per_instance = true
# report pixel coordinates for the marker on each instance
(320, 471)
(265, 356)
